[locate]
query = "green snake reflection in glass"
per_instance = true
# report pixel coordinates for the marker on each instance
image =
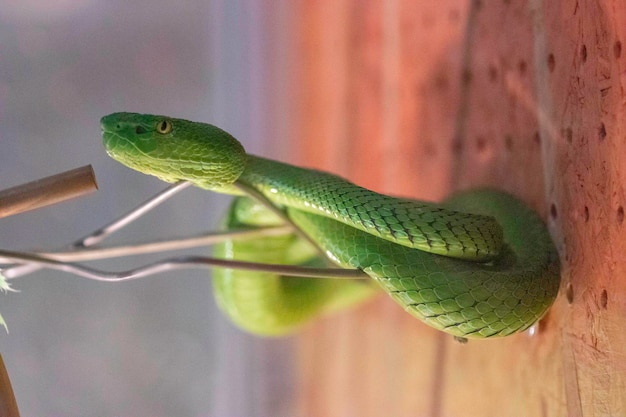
(479, 265)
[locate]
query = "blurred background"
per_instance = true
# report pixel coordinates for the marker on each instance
(157, 346)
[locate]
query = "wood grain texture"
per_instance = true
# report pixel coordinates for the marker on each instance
(580, 72)
(424, 98)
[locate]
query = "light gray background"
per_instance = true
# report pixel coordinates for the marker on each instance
(158, 346)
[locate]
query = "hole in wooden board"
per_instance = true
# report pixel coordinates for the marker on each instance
(586, 214)
(604, 299)
(617, 49)
(481, 144)
(602, 131)
(467, 76)
(508, 142)
(553, 211)
(620, 215)
(522, 66)
(441, 82)
(551, 62)
(568, 134)
(484, 148)
(569, 293)
(583, 53)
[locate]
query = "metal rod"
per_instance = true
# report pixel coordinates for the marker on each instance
(102, 233)
(182, 263)
(207, 239)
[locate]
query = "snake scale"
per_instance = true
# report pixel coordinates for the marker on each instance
(481, 264)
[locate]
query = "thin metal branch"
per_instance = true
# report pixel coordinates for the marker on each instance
(161, 246)
(102, 233)
(181, 263)
(59, 260)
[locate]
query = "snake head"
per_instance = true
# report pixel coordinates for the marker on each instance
(174, 149)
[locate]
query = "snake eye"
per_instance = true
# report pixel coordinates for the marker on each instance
(164, 127)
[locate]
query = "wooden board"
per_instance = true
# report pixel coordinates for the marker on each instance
(424, 98)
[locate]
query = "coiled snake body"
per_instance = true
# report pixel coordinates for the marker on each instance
(482, 264)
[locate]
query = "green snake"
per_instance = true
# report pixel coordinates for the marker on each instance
(479, 265)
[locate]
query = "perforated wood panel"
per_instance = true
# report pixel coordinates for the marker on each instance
(424, 98)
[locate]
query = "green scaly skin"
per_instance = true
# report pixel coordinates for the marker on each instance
(493, 272)
(267, 304)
